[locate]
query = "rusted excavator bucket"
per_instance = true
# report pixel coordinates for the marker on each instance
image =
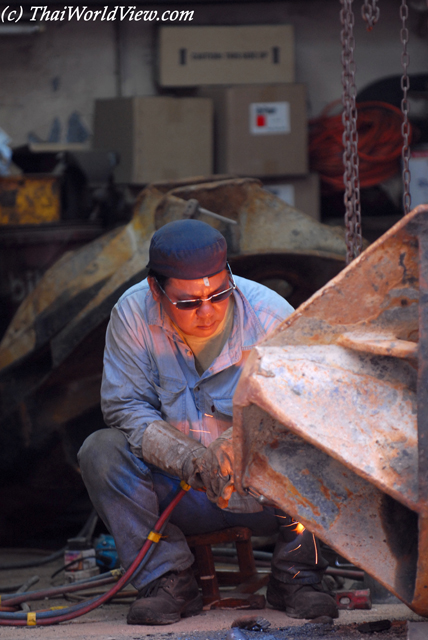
(331, 413)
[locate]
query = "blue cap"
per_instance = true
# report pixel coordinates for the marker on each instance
(187, 250)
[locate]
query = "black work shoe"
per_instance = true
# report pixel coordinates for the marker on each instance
(301, 600)
(167, 599)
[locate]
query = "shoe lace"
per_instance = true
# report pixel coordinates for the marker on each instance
(151, 589)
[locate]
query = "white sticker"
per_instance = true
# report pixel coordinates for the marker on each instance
(418, 165)
(206, 282)
(283, 191)
(269, 118)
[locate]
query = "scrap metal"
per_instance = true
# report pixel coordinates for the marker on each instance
(331, 415)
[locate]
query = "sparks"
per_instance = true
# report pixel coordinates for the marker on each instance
(316, 550)
(299, 528)
(296, 548)
(198, 431)
(208, 415)
(296, 574)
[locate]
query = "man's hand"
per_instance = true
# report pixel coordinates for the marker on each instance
(166, 447)
(214, 469)
(204, 468)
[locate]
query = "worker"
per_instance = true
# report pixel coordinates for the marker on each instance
(175, 347)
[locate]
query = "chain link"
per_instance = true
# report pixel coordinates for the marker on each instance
(370, 12)
(405, 127)
(353, 235)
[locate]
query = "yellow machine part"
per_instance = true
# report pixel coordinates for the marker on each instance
(29, 199)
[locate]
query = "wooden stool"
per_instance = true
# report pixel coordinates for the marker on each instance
(246, 581)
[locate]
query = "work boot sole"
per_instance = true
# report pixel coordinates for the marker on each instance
(312, 609)
(315, 612)
(192, 608)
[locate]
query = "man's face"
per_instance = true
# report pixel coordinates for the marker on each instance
(200, 322)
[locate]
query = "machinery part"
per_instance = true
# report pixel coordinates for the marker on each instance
(331, 416)
(29, 583)
(193, 210)
(350, 600)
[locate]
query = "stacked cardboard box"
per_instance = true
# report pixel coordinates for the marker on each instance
(244, 73)
(195, 56)
(301, 192)
(260, 130)
(157, 138)
(259, 112)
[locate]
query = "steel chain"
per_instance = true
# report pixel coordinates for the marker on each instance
(351, 180)
(405, 127)
(370, 12)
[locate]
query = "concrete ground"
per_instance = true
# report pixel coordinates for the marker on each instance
(109, 621)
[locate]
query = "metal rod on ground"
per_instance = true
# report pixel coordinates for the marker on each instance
(24, 588)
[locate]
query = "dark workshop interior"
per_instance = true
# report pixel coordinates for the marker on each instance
(299, 130)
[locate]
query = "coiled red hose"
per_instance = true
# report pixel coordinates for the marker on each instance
(47, 618)
(380, 144)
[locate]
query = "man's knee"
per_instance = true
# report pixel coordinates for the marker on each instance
(98, 451)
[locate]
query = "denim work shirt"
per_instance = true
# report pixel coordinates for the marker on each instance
(150, 374)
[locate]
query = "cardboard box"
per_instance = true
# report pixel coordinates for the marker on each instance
(193, 56)
(418, 165)
(301, 193)
(157, 138)
(260, 130)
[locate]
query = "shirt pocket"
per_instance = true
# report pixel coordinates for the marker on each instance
(172, 398)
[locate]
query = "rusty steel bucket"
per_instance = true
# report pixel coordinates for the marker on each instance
(331, 413)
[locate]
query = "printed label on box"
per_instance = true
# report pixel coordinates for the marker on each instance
(418, 165)
(283, 191)
(269, 118)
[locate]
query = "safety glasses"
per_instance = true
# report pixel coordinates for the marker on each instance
(187, 305)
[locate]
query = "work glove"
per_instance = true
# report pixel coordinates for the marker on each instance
(214, 469)
(172, 451)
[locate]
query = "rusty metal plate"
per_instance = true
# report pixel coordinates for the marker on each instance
(349, 513)
(317, 390)
(330, 415)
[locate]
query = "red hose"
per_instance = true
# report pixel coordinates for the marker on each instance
(121, 582)
(380, 144)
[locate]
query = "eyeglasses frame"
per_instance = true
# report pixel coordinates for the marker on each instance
(201, 300)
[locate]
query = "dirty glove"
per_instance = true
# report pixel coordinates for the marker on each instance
(215, 469)
(172, 451)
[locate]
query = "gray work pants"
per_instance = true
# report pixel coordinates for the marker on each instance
(129, 496)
